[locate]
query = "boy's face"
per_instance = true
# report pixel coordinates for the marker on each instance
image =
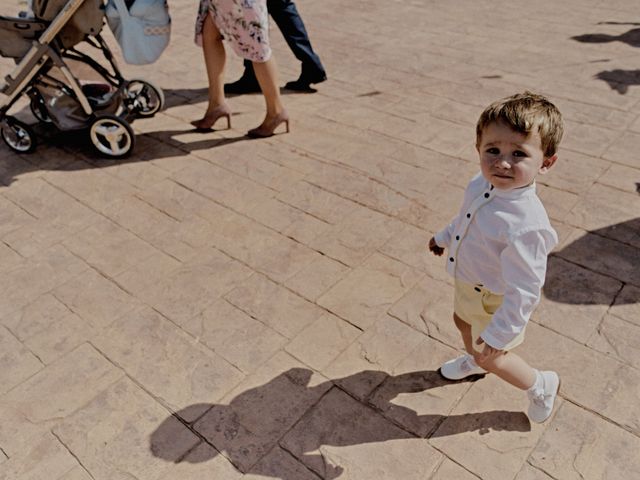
(509, 159)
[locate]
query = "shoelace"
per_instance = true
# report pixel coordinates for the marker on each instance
(539, 398)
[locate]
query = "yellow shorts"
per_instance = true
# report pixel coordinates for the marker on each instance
(476, 305)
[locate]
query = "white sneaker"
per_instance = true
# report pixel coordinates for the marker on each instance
(542, 396)
(461, 367)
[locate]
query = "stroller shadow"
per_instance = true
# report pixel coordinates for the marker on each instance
(631, 38)
(592, 251)
(620, 80)
(287, 411)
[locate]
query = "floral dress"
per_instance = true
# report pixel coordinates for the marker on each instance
(243, 23)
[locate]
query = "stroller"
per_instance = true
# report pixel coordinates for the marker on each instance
(43, 48)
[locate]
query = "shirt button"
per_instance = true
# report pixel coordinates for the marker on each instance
(486, 195)
(457, 237)
(468, 215)
(451, 259)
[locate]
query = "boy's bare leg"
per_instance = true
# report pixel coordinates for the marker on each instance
(465, 332)
(511, 368)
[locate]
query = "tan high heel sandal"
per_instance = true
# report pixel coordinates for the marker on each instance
(208, 121)
(267, 129)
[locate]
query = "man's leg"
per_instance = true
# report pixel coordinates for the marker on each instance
(286, 16)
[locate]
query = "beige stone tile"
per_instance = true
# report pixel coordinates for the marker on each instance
(340, 433)
(243, 341)
(416, 396)
(13, 216)
(614, 214)
(95, 299)
(46, 457)
(323, 340)
(449, 470)
(194, 286)
(36, 276)
(488, 432)
(368, 291)
(558, 203)
(124, 433)
(9, 258)
(574, 172)
(251, 419)
(76, 473)
(17, 363)
(591, 140)
(109, 248)
(202, 462)
(143, 343)
(282, 310)
(363, 365)
(428, 307)
(621, 151)
(222, 186)
(589, 378)
(621, 177)
(91, 186)
(316, 278)
(38, 404)
(279, 463)
(627, 305)
(583, 445)
(317, 202)
(619, 339)
(285, 258)
(574, 299)
(531, 473)
(603, 255)
(141, 276)
(141, 175)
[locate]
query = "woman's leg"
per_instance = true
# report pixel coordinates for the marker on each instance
(214, 59)
(267, 75)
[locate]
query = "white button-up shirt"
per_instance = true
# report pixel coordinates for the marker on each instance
(500, 240)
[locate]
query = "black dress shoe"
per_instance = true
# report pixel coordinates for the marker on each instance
(243, 85)
(303, 83)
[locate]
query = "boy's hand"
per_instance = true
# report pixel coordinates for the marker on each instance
(434, 248)
(488, 353)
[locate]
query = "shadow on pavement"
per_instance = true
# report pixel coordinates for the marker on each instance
(287, 411)
(613, 251)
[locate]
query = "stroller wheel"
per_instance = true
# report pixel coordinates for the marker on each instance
(18, 136)
(39, 110)
(144, 98)
(111, 136)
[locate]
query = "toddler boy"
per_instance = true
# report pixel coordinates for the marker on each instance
(498, 246)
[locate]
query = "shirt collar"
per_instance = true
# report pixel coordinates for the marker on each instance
(513, 194)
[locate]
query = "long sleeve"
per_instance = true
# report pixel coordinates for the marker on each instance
(524, 265)
(443, 237)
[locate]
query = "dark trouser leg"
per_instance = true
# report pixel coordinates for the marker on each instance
(286, 16)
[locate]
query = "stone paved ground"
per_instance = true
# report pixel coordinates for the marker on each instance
(222, 308)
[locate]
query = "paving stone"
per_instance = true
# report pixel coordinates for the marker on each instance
(368, 291)
(621, 150)
(619, 339)
(194, 286)
(76, 473)
(449, 469)
(320, 342)
(13, 217)
(248, 423)
(530, 473)
(38, 404)
(316, 278)
(488, 432)
(340, 435)
(627, 305)
(16, 362)
(123, 432)
(143, 275)
(428, 307)
(202, 462)
(317, 202)
(363, 365)
(144, 342)
(621, 177)
(36, 276)
(280, 464)
(583, 445)
(609, 387)
(243, 341)
(574, 299)
(282, 310)
(609, 211)
(45, 458)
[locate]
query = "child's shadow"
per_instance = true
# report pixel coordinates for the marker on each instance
(302, 418)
